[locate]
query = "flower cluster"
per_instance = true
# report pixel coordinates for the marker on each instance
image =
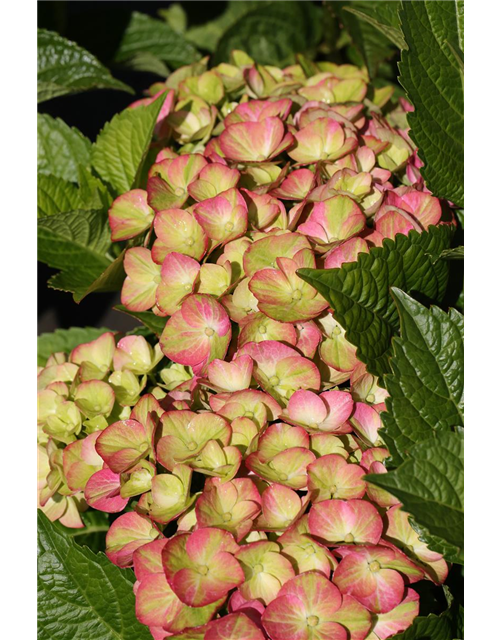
(239, 462)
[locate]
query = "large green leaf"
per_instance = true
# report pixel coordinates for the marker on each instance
(61, 149)
(148, 35)
(77, 243)
(150, 320)
(122, 145)
(382, 15)
(359, 292)
(64, 340)
(56, 195)
(64, 68)
(81, 595)
(373, 45)
(432, 75)
(273, 33)
(430, 485)
(432, 627)
(427, 381)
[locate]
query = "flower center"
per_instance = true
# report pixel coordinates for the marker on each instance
(370, 398)
(258, 568)
(274, 380)
(262, 329)
(187, 287)
(143, 447)
(337, 331)
(229, 226)
(191, 445)
(179, 191)
(248, 414)
(349, 538)
(157, 279)
(226, 517)
(209, 332)
(312, 621)
(297, 295)
(374, 566)
(283, 476)
(203, 570)
(189, 241)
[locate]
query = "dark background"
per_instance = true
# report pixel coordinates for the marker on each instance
(97, 26)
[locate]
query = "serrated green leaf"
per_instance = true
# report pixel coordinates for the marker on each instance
(273, 33)
(431, 627)
(93, 190)
(359, 292)
(75, 242)
(426, 384)
(65, 68)
(56, 195)
(384, 17)
(175, 16)
(430, 485)
(64, 340)
(153, 322)
(82, 595)
(372, 44)
(122, 145)
(61, 149)
(432, 75)
(148, 35)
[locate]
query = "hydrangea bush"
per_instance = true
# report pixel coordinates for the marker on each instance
(245, 459)
(237, 450)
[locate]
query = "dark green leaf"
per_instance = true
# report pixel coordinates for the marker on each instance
(460, 18)
(75, 242)
(65, 340)
(145, 61)
(383, 16)
(432, 75)
(148, 35)
(273, 33)
(360, 291)
(122, 145)
(61, 149)
(207, 35)
(81, 595)
(437, 544)
(64, 68)
(175, 16)
(374, 46)
(456, 253)
(431, 627)
(427, 381)
(148, 318)
(430, 485)
(55, 195)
